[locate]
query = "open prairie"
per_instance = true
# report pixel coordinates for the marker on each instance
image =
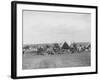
(56, 61)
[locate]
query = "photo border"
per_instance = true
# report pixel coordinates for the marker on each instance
(14, 38)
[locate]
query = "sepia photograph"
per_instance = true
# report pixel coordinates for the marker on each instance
(56, 39)
(53, 39)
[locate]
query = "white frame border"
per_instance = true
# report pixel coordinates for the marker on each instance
(36, 72)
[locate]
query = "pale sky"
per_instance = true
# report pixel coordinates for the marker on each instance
(50, 27)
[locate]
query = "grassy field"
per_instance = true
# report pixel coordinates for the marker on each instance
(56, 61)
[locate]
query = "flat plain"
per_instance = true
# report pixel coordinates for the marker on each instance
(56, 61)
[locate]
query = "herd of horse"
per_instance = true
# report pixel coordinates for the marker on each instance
(56, 49)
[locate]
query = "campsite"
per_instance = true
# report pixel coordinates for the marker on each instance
(55, 55)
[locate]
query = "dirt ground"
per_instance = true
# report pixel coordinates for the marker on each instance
(56, 61)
